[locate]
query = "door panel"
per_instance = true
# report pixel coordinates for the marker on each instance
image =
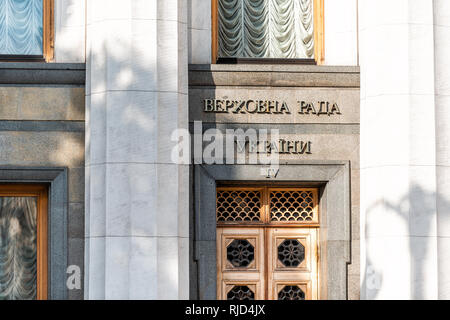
(240, 264)
(292, 263)
(267, 263)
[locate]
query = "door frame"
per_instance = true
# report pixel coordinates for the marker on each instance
(57, 180)
(333, 180)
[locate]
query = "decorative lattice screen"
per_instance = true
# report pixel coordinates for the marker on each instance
(292, 205)
(267, 205)
(238, 205)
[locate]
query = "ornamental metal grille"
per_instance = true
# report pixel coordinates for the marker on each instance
(241, 293)
(240, 253)
(238, 206)
(291, 293)
(292, 206)
(291, 253)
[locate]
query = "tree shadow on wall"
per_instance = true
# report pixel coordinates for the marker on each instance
(135, 101)
(417, 209)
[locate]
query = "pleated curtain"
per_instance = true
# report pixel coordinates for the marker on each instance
(18, 248)
(21, 25)
(266, 29)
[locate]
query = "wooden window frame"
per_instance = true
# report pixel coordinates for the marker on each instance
(319, 40)
(48, 38)
(41, 192)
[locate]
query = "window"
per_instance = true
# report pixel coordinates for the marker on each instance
(267, 243)
(23, 242)
(267, 30)
(26, 30)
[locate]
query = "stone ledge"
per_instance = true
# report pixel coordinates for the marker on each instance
(274, 76)
(42, 126)
(274, 68)
(42, 73)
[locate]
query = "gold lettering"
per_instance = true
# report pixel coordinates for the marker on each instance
(240, 105)
(262, 107)
(229, 105)
(248, 104)
(218, 106)
(335, 109)
(321, 104)
(307, 108)
(272, 105)
(285, 108)
(209, 105)
(290, 146)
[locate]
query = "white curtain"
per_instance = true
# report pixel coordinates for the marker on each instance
(18, 248)
(266, 29)
(21, 24)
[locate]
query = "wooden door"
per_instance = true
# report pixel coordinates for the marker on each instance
(267, 243)
(292, 264)
(240, 267)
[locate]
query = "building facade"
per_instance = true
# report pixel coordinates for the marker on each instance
(224, 149)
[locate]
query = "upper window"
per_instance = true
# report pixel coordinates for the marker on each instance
(267, 29)
(25, 29)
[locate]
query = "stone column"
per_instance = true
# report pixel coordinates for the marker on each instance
(398, 150)
(442, 84)
(136, 198)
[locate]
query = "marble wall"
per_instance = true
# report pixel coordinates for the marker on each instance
(136, 200)
(404, 148)
(70, 31)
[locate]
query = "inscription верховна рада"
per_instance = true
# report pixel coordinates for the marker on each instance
(269, 107)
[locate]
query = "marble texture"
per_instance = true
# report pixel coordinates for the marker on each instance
(341, 32)
(442, 99)
(199, 31)
(404, 196)
(136, 231)
(70, 27)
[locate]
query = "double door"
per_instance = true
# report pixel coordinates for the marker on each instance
(261, 256)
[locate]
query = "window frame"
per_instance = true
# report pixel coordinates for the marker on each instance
(41, 192)
(48, 38)
(319, 43)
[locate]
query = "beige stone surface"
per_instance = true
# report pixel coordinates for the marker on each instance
(42, 103)
(353, 287)
(42, 149)
(46, 149)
